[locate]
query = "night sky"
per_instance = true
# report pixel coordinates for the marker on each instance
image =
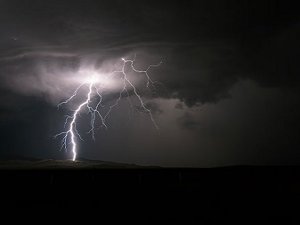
(228, 91)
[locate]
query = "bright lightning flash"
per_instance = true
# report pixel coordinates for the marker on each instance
(93, 82)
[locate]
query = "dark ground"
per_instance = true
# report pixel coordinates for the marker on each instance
(241, 194)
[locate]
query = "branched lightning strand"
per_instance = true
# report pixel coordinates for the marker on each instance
(71, 134)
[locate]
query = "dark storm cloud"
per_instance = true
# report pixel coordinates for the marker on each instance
(274, 59)
(207, 46)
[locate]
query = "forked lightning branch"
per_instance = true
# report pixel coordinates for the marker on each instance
(93, 101)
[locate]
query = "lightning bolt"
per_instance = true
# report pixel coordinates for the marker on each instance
(70, 136)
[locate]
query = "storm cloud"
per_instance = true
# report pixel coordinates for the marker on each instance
(214, 45)
(208, 49)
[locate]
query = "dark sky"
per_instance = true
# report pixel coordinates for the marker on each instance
(230, 79)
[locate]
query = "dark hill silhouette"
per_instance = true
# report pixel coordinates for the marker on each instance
(169, 195)
(20, 162)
